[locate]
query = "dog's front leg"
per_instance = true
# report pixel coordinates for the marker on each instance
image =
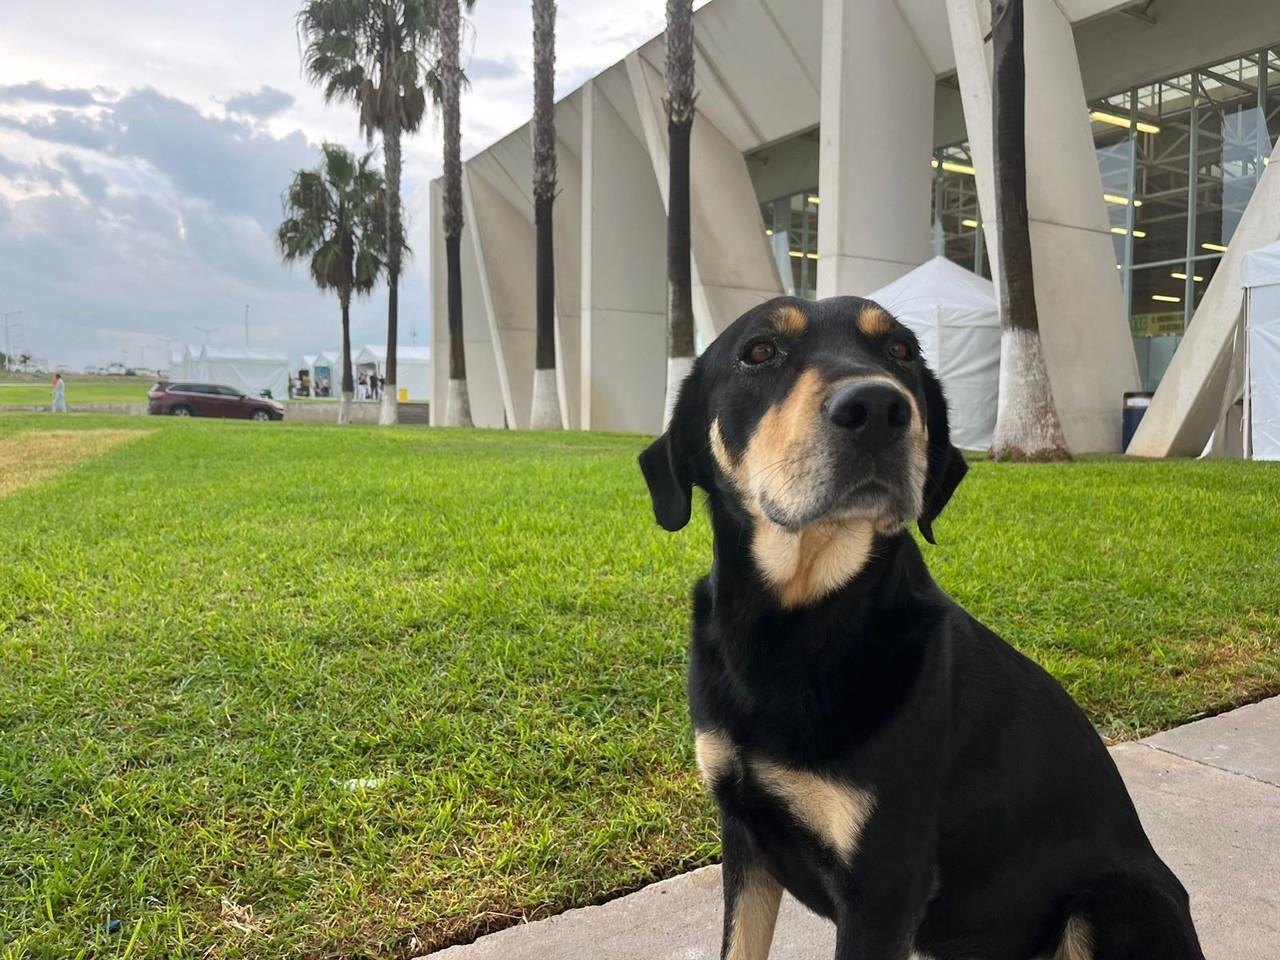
(882, 928)
(751, 897)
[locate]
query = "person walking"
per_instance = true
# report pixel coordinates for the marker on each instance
(59, 394)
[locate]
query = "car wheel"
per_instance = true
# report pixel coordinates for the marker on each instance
(260, 415)
(181, 411)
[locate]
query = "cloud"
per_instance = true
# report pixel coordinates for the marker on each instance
(234, 166)
(36, 92)
(92, 186)
(67, 127)
(266, 102)
(485, 68)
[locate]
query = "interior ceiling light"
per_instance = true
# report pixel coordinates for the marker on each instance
(1116, 120)
(1215, 247)
(1183, 276)
(1119, 200)
(813, 200)
(1165, 299)
(768, 232)
(1121, 231)
(799, 254)
(952, 167)
(969, 223)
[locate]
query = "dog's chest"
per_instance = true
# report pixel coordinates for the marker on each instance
(779, 800)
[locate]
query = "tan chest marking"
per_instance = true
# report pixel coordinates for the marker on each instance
(715, 754)
(837, 813)
(804, 567)
(1077, 941)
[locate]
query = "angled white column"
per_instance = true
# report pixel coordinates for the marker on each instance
(877, 137)
(733, 269)
(1186, 405)
(1083, 325)
(504, 250)
(624, 279)
(483, 383)
(566, 220)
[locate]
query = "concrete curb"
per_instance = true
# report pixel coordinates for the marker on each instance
(1208, 794)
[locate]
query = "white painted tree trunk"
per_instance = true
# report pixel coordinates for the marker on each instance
(1027, 425)
(389, 412)
(458, 408)
(344, 407)
(545, 412)
(677, 369)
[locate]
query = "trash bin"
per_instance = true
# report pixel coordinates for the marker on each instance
(402, 394)
(1136, 403)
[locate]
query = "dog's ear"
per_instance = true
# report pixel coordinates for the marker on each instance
(668, 462)
(947, 465)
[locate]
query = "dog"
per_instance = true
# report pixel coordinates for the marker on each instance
(871, 747)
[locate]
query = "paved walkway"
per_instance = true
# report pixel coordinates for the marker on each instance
(1208, 794)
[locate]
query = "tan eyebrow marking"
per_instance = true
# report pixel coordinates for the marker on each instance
(790, 319)
(874, 321)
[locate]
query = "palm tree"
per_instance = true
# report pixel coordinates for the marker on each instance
(336, 216)
(545, 413)
(679, 103)
(374, 54)
(458, 408)
(1027, 425)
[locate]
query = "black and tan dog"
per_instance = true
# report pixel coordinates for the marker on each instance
(872, 748)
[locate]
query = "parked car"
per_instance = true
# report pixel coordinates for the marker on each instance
(210, 400)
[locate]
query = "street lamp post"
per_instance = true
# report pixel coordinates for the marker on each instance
(8, 344)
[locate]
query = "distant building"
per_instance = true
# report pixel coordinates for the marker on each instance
(841, 143)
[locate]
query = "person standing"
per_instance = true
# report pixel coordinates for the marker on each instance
(59, 394)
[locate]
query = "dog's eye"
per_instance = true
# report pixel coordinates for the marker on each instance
(901, 351)
(760, 352)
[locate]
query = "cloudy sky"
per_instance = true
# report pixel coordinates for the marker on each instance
(144, 146)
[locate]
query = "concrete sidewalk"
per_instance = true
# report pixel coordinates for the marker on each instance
(1208, 794)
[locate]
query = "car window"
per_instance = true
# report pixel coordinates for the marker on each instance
(228, 391)
(180, 388)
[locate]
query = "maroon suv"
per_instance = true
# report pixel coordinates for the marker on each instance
(210, 400)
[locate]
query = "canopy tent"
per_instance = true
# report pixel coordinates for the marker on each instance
(413, 368)
(954, 315)
(326, 371)
(250, 371)
(1249, 424)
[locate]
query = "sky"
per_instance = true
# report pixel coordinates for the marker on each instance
(144, 146)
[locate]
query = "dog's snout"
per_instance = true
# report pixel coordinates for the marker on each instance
(877, 414)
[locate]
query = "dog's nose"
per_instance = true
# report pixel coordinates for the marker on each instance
(876, 414)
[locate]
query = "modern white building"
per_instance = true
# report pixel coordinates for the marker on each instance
(839, 144)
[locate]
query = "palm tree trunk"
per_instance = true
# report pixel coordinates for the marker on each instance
(1027, 424)
(458, 408)
(348, 382)
(389, 412)
(679, 104)
(545, 412)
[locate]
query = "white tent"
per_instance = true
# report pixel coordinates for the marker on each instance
(1260, 276)
(954, 315)
(413, 368)
(326, 370)
(251, 371)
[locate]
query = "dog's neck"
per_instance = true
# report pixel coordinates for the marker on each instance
(762, 567)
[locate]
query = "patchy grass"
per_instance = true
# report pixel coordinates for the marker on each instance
(79, 390)
(303, 691)
(31, 457)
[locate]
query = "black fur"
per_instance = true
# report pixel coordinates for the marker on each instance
(999, 814)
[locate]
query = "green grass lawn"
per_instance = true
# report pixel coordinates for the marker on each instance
(273, 690)
(79, 390)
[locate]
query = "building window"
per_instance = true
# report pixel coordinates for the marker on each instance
(791, 228)
(957, 232)
(1179, 159)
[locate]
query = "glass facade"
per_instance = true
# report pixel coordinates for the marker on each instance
(791, 227)
(1179, 160)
